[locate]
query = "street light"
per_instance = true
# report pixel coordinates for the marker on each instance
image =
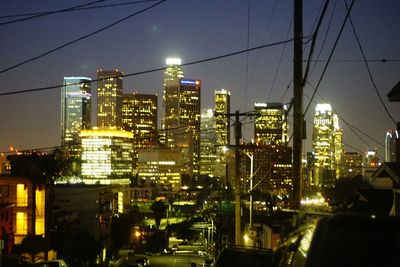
(251, 156)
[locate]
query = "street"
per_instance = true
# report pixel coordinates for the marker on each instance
(177, 260)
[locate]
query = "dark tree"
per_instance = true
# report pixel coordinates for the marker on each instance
(159, 209)
(33, 244)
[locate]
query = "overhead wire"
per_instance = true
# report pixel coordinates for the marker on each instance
(156, 69)
(330, 55)
(76, 8)
(313, 42)
(367, 66)
(81, 38)
(43, 14)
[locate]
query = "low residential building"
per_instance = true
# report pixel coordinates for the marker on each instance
(22, 210)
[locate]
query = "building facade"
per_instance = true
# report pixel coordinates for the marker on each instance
(75, 113)
(208, 138)
(109, 98)
(272, 169)
(182, 119)
(139, 116)
(222, 102)
(270, 123)
(161, 166)
(352, 164)
(327, 147)
(18, 204)
(107, 156)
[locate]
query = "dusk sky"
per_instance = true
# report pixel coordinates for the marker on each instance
(194, 30)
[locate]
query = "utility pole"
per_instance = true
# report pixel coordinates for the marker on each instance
(298, 104)
(238, 226)
(238, 191)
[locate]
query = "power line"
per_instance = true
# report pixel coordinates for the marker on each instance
(80, 38)
(42, 14)
(157, 69)
(330, 56)
(76, 8)
(314, 39)
(367, 66)
(325, 37)
(373, 60)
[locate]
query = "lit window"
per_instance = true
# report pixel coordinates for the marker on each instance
(22, 195)
(21, 223)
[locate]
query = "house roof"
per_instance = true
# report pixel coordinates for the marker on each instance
(388, 169)
(394, 94)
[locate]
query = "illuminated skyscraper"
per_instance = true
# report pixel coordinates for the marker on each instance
(106, 156)
(109, 98)
(139, 116)
(327, 146)
(173, 71)
(208, 151)
(182, 119)
(270, 123)
(75, 112)
(222, 100)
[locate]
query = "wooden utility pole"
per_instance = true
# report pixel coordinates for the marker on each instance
(238, 226)
(298, 104)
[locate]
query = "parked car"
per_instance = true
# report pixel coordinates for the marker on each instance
(343, 239)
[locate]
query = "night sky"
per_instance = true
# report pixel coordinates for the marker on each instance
(196, 30)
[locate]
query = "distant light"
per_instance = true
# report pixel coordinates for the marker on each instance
(260, 105)
(323, 107)
(173, 61)
(188, 82)
(137, 234)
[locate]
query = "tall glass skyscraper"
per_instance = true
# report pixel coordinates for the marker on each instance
(109, 98)
(75, 112)
(327, 147)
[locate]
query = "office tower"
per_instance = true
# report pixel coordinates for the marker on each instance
(222, 99)
(161, 166)
(109, 99)
(182, 119)
(272, 169)
(208, 151)
(326, 147)
(352, 164)
(106, 156)
(173, 71)
(75, 113)
(139, 116)
(270, 123)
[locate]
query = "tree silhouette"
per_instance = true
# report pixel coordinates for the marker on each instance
(159, 209)
(33, 244)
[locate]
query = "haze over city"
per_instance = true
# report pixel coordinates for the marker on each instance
(197, 30)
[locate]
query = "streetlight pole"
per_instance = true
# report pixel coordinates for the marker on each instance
(251, 156)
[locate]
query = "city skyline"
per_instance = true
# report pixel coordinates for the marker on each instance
(344, 81)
